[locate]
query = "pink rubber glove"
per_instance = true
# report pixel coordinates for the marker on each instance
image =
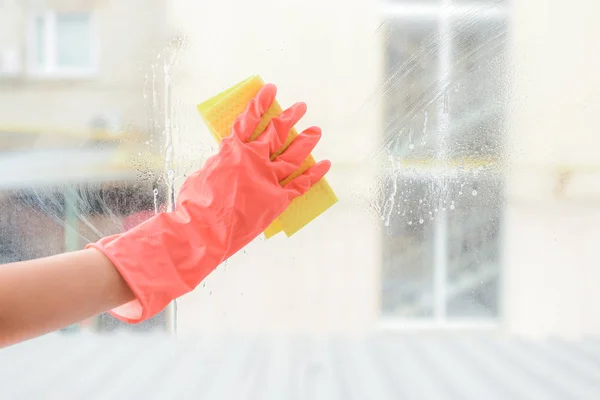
(220, 209)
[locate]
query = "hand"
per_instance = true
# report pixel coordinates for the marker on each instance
(220, 209)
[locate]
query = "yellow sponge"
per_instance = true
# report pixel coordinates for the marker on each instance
(219, 113)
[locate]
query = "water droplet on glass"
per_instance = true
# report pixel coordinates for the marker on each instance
(411, 146)
(410, 222)
(155, 200)
(452, 206)
(421, 221)
(474, 193)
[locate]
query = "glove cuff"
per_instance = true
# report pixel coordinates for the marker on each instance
(154, 260)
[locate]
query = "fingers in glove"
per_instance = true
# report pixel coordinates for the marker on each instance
(298, 151)
(278, 129)
(245, 124)
(300, 185)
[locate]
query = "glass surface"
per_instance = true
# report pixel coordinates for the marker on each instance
(40, 40)
(73, 40)
(445, 106)
(53, 208)
(478, 99)
(411, 85)
(408, 249)
(474, 233)
(464, 142)
(478, 88)
(410, 135)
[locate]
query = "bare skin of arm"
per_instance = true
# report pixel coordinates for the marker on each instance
(43, 295)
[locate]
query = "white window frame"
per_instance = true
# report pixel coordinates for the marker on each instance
(51, 69)
(443, 12)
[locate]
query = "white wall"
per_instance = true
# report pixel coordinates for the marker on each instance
(553, 228)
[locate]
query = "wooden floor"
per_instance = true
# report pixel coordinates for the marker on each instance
(426, 366)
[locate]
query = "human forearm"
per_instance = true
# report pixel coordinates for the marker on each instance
(43, 295)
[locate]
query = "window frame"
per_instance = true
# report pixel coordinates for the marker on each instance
(50, 69)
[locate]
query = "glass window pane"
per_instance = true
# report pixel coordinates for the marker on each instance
(60, 198)
(477, 101)
(410, 137)
(30, 217)
(453, 165)
(408, 256)
(477, 91)
(40, 40)
(410, 87)
(73, 40)
(473, 272)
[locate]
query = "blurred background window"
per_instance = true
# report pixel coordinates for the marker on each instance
(446, 89)
(62, 44)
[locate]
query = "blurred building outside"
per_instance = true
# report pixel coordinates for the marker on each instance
(463, 202)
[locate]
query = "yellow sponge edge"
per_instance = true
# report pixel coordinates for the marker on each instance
(219, 114)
